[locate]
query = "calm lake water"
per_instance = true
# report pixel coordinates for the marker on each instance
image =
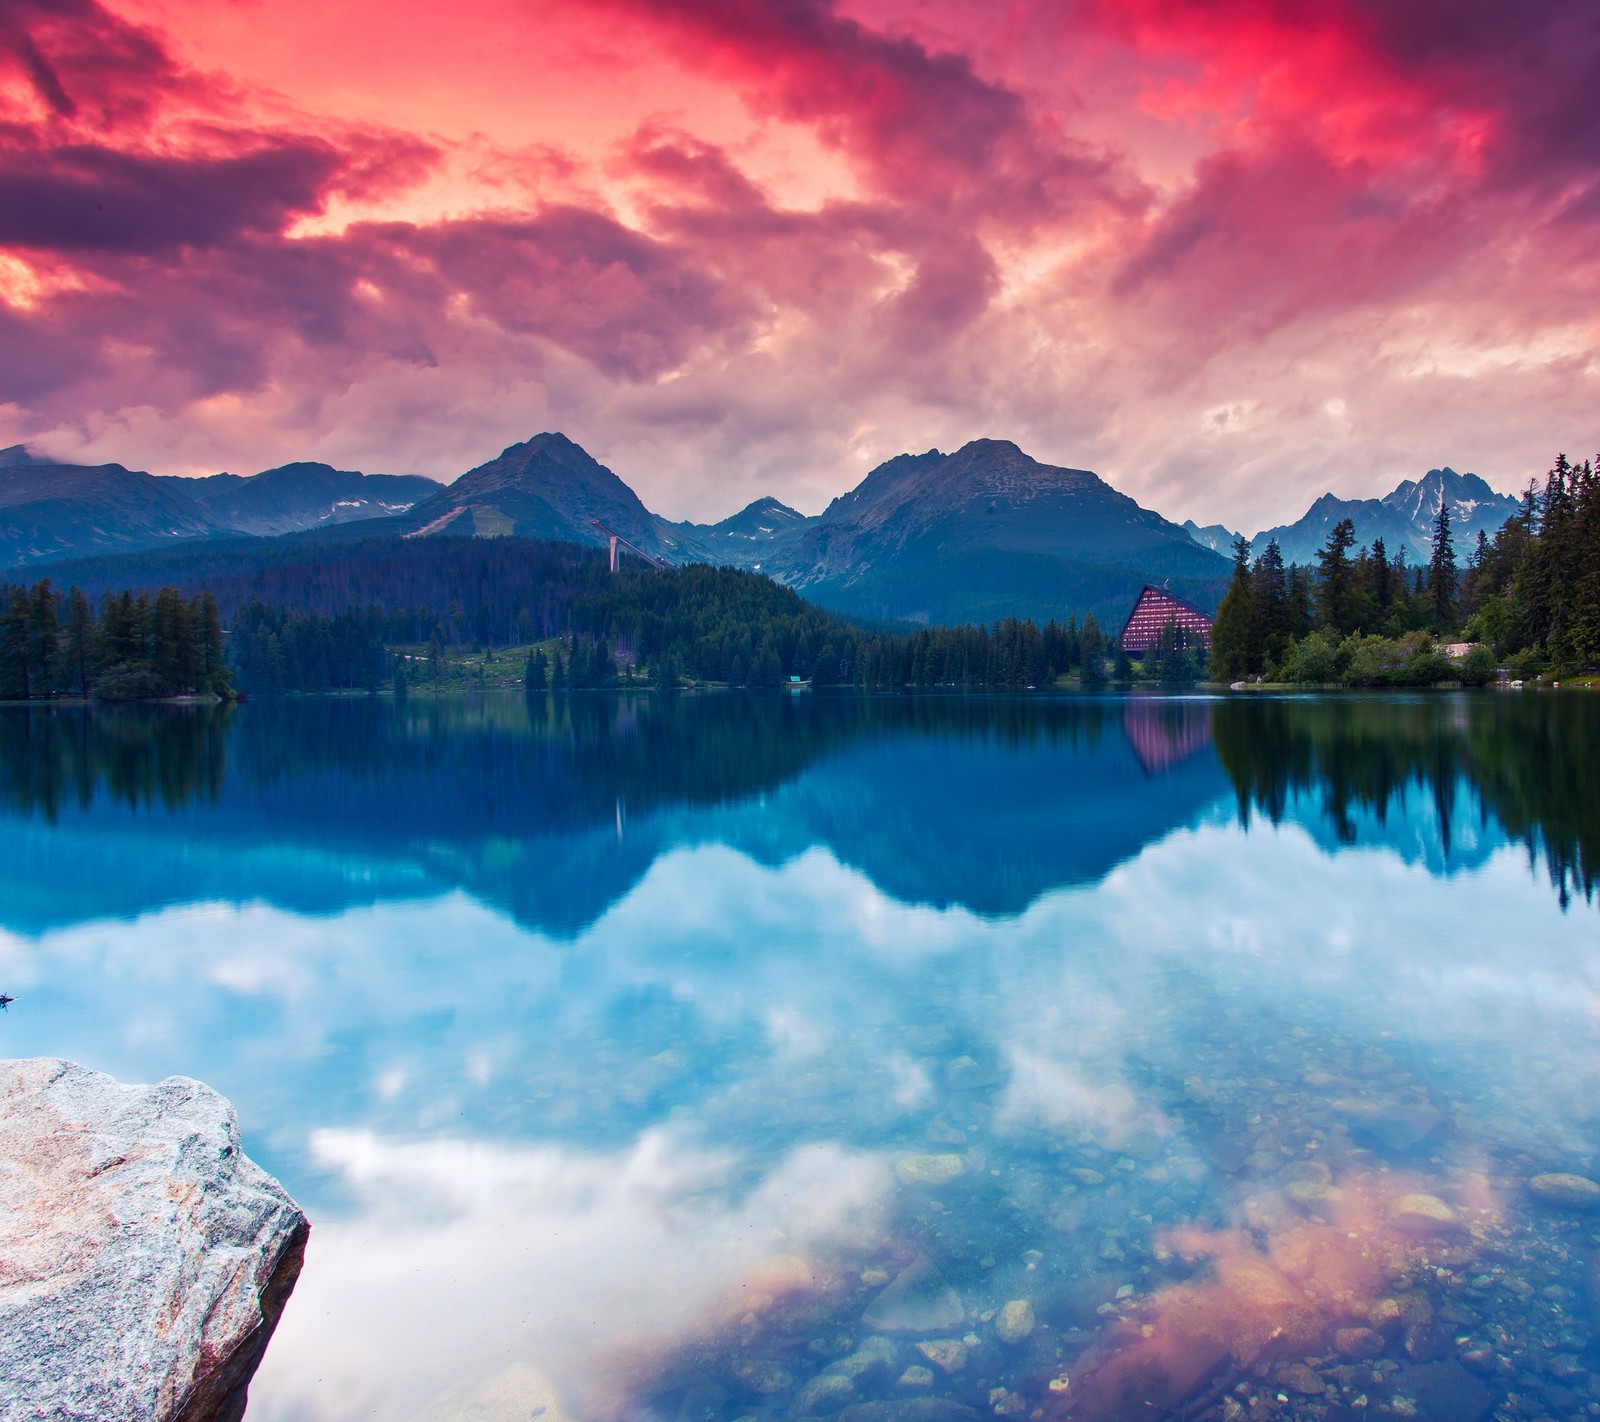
(900, 1060)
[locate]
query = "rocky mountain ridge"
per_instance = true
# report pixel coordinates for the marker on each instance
(983, 532)
(1403, 518)
(51, 510)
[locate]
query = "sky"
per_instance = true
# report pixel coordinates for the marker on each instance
(1230, 254)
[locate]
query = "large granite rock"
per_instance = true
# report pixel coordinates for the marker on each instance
(143, 1259)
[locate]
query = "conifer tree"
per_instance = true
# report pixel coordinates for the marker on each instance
(1230, 632)
(1442, 575)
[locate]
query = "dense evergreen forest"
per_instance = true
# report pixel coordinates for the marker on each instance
(326, 617)
(132, 647)
(1530, 596)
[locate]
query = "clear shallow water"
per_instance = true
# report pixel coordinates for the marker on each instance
(724, 1058)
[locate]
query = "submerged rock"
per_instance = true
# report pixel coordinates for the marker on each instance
(511, 1395)
(1015, 1323)
(824, 1394)
(949, 1355)
(146, 1259)
(1421, 1214)
(918, 1301)
(912, 1409)
(1570, 1192)
(929, 1169)
(874, 1356)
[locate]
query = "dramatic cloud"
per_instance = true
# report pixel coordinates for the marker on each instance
(1230, 254)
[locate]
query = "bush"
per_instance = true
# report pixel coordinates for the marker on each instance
(132, 681)
(1313, 661)
(1478, 668)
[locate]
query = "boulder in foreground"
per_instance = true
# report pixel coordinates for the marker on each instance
(144, 1260)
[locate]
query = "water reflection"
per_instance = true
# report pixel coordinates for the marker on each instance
(899, 1060)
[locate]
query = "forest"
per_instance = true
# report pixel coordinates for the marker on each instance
(1529, 597)
(330, 618)
(132, 647)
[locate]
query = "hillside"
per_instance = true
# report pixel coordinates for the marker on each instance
(50, 511)
(988, 532)
(548, 487)
(1403, 518)
(303, 495)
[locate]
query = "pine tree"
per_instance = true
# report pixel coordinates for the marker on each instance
(80, 633)
(208, 628)
(1230, 632)
(1336, 591)
(536, 674)
(1442, 577)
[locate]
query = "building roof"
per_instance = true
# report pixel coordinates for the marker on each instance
(1167, 605)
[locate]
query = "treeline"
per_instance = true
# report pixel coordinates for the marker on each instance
(1364, 618)
(274, 650)
(318, 618)
(131, 647)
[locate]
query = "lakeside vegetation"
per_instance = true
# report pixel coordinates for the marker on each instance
(1529, 597)
(133, 647)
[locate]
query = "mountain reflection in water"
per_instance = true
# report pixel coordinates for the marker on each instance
(900, 1059)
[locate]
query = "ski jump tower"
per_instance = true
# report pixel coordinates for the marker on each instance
(618, 542)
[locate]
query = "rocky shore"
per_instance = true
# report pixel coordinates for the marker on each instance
(144, 1260)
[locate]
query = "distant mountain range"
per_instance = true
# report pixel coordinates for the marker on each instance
(982, 533)
(1403, 518)
(50, 510)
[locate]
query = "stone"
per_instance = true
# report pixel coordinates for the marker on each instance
(824, 1394)
(1395, 1128)
(1418, 1213)
(1358, 1343)
(1568, 1192)
(1313, 1195)
(874, 1356)
(929, 1169)
(511, 1395)
(121, 1205)
(949, 1355)
(918, 1301)
(910, 1409)
(1015, 1323)
(916, 1378)
(1439, 1392)
(1298, 1377)
(967, 1074)
(761, 1375)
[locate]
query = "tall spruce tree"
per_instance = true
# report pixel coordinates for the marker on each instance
(1442, 576)
(1230, 632)
(1335, 598)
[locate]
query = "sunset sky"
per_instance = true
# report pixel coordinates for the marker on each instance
(1228, 253)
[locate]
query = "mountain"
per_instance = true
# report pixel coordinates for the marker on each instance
(1403, 518)
(982, 533)
(750, 535)
(303, 495)
(1213, 536)
(549, 487)
(50, 510)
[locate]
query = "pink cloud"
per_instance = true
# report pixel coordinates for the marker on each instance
(1370, 233)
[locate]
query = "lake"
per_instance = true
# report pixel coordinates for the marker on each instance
(717, 1057)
